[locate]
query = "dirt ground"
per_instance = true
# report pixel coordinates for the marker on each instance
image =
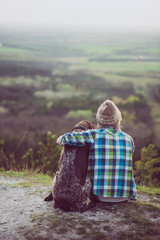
(24, 216)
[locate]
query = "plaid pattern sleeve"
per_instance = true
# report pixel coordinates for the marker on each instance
(78, 139)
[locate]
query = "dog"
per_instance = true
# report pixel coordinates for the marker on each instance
(71, 188)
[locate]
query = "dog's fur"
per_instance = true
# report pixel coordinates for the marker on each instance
(71, 188)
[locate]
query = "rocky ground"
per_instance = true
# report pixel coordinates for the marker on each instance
(24, 216)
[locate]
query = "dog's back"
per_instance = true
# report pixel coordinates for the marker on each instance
(72, 189)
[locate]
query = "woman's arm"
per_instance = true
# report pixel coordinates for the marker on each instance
(77, 138)
(59, 140)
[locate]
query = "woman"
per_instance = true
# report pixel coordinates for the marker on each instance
(110, 155)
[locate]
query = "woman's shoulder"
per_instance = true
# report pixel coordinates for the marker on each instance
(125, 135)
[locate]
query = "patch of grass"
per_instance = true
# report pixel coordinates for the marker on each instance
(125, 66)
(155, 112)
(12, 173)
(148, 206)
(83, 114)
(37, 218)
(149, 190)
(23, 184)
(53, 220)
(11, 50)
(94, 48)
(140, 207)
(32, 178)
(36, 191)
(25, 81)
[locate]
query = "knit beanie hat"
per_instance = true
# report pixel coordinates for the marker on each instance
(108, 113)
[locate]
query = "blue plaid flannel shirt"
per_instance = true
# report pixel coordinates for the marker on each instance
(110, 160)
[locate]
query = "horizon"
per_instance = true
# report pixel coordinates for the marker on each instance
(80, 28)
(125, 14)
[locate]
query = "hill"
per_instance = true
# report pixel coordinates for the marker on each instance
(24, 215)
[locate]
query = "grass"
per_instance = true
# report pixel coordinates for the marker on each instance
(155, 192)
(152, 50)
(111, 71)
(11, 50)
(38, 218)
(155, 110)
(94, 48)
(31, 177)
(124, 66)
(105, 49)
(25, 81)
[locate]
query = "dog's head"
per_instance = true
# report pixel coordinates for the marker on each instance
(83, 125)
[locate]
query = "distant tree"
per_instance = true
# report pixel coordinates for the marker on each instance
(148, 167)
(137, 104)
(48, 153)
(154, 91)
(46, 156)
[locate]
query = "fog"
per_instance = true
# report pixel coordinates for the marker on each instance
(105, 13)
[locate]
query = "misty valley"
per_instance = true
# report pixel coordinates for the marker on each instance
(52, 78)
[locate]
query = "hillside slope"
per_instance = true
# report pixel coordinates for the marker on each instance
(25, 216)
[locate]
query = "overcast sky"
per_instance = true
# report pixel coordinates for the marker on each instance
(113, 13)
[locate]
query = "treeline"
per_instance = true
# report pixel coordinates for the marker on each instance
(147, 169)
(45, 157)
(30, 68)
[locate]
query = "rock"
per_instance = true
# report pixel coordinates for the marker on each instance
(3, 187)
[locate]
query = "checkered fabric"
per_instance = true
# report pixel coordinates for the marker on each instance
(110, 160)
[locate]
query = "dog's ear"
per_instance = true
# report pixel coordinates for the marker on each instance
(90, 125)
